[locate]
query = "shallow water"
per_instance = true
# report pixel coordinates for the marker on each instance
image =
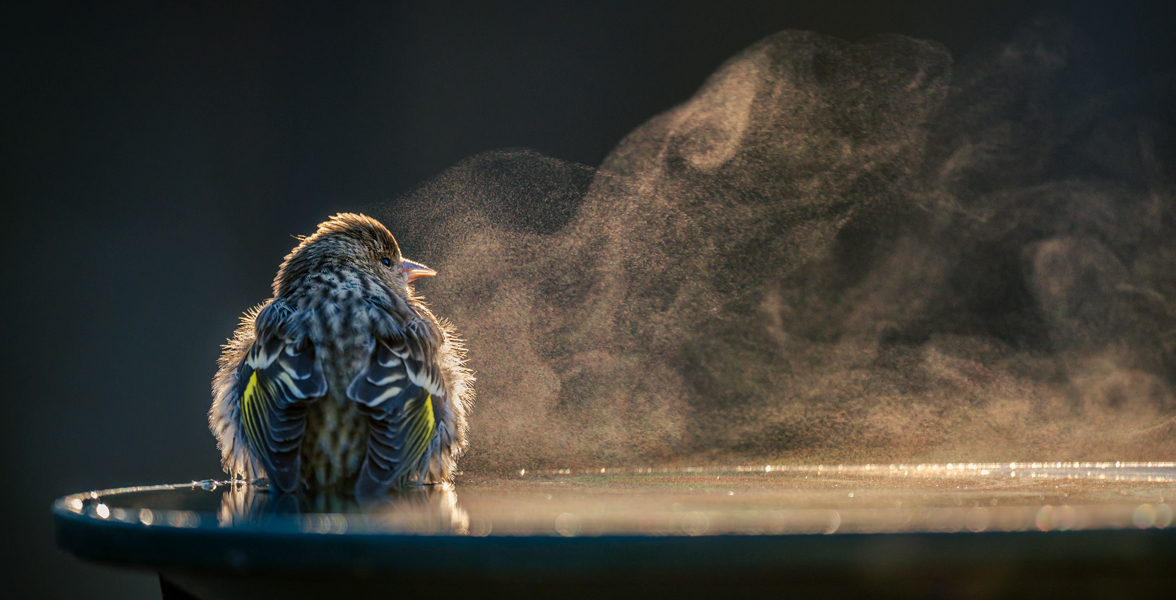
(653, 501)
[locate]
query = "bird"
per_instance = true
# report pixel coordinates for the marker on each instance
(344, 378)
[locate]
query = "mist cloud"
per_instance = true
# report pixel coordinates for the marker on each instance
(833, 251)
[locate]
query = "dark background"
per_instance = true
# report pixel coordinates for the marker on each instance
(156, 160)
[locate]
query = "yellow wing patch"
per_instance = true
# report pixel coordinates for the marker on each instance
(256, 403)
(250, 410)
(419, 429)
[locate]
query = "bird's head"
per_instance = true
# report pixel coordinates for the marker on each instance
(349, 240)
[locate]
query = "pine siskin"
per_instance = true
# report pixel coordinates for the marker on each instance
(344, 376)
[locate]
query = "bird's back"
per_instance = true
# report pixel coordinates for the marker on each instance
(335, 442)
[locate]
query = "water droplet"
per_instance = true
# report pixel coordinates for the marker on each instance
(336, 523)
(567, 525)
(833, 523)
(1163, 515)
(695, 523)
(1065, 518)
(977, 519)
(1044, 518)
(1144, 516)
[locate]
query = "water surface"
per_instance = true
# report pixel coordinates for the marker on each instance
(692, 501)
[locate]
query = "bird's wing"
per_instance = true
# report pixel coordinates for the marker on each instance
(401, 391)
(279, 378)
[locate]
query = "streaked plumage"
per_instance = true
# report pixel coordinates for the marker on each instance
(344, 377)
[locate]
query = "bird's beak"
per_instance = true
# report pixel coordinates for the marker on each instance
(414, 271)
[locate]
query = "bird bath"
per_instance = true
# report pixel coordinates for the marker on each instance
(1066, 529)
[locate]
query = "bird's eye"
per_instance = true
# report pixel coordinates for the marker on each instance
(387, 261)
